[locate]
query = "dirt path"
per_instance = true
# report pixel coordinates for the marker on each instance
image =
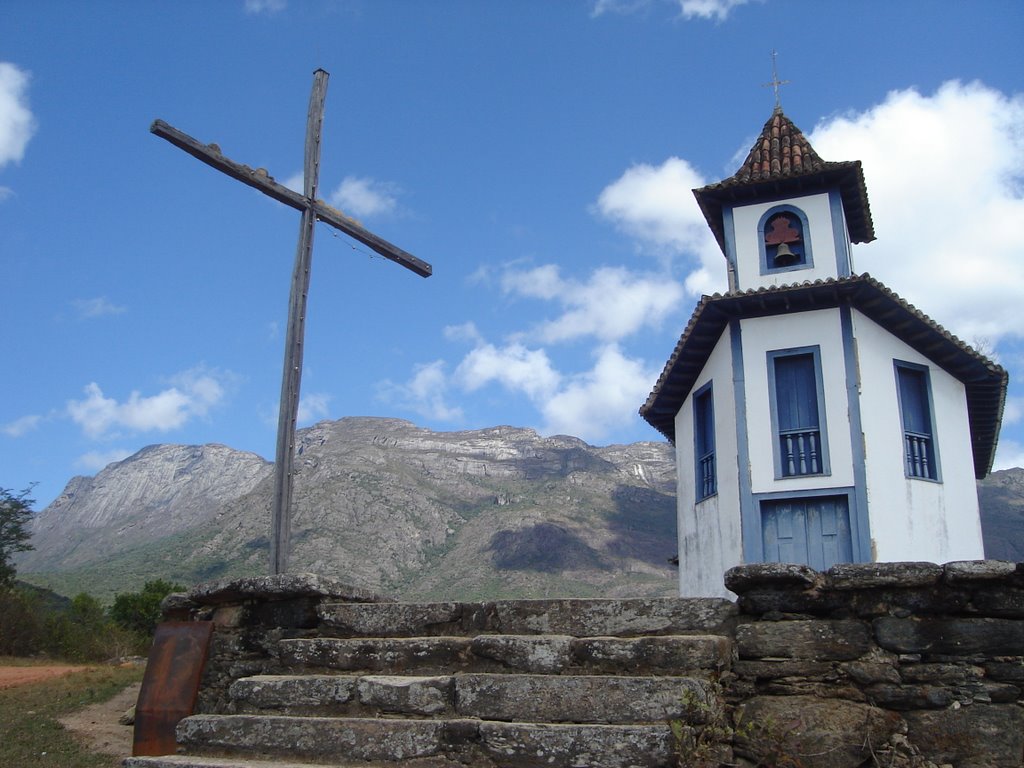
(97, 725)
(11, 676)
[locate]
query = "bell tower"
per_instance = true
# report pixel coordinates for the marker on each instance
(817, 417)
(786, 215)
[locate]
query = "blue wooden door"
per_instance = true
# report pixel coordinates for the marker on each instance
(813, 531)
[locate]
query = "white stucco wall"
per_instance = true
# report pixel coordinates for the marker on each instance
(819, 328)
(914, 519)
(821, 236)
(710, 540)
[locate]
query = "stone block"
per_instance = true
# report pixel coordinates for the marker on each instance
(672, 653)
(292, 693)
(426, 655)
(742, 578)
(850, 576)
(617, 618)
(971, 571)
(392, 619)
(540, 654)
(315, 738)
(992, 637)
(813, 732)
(903, 697)
(520, 745)
(818, 640)
(583, 698)
(286, 586)
(868, 672)
(979, 735)
(771, 669)
(406, 695)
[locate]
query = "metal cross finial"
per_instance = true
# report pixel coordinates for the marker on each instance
(775, 83)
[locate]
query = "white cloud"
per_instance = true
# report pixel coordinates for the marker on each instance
(364, 196)
(708, 9)
(689, 9)
(265, 6)
(601, 7)
(593, 404)
(313, 407)
(589, 405)
(98, 307)
(424, 393)
(16, 121)
(21, 426)
(296, 182)
(612, 304)
(655, 204)
(513, 366)
(94, 461)
(945, 175)
(191, 395)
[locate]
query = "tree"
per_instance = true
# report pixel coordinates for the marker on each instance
(140, 611)
(15, 515)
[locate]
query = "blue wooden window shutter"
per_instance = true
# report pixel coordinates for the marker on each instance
(919, 449)
(798, 415)
(706, 483)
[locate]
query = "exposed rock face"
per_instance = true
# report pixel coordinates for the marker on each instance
(1001, 496)
(391, 507)
(386, 506)
(160, 491)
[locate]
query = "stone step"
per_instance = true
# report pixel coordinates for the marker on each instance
(691, 655)
(577, 617)
(207, 761)
(470, 742)
(596, 699)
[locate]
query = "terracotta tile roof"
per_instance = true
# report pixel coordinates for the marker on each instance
(985, 382)
(782, 161)
(780, 150)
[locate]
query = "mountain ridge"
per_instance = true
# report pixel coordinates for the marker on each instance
(390, 506)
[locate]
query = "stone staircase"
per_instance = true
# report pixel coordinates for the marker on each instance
(519, 684)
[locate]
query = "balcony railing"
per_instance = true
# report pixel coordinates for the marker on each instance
(918, 455)
(801, 452)
(706, 483)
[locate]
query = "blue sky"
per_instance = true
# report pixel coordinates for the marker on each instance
(539, 154)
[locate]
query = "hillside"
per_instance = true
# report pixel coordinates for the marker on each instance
(383, 504)
(415, 514)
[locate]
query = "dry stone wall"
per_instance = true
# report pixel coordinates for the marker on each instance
(909, 665)
(917, 662)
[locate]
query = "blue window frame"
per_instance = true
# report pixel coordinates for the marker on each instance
(798, 412)
(706, 475)
(914, 392)
(784, 240)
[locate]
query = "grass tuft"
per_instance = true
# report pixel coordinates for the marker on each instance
(31, 737)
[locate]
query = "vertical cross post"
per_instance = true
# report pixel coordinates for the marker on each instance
(291, 376)
(312, 210)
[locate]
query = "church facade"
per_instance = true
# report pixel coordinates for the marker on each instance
(817, 417)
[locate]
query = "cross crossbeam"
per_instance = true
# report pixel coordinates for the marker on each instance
(313, 210)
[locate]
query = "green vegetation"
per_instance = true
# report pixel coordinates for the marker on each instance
(140, 611)
(15, 515)
(30, 735)
(36, 622)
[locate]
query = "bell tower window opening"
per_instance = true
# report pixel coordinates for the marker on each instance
(782, 236)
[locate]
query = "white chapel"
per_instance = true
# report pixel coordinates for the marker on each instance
(817, 417)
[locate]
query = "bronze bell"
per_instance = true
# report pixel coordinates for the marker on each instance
(785, 257)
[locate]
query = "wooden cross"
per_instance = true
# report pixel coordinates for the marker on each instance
(775, 83)
(312, 210)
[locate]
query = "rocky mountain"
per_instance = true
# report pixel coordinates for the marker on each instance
(382, 504)
(389, 506)
(1001, 496)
